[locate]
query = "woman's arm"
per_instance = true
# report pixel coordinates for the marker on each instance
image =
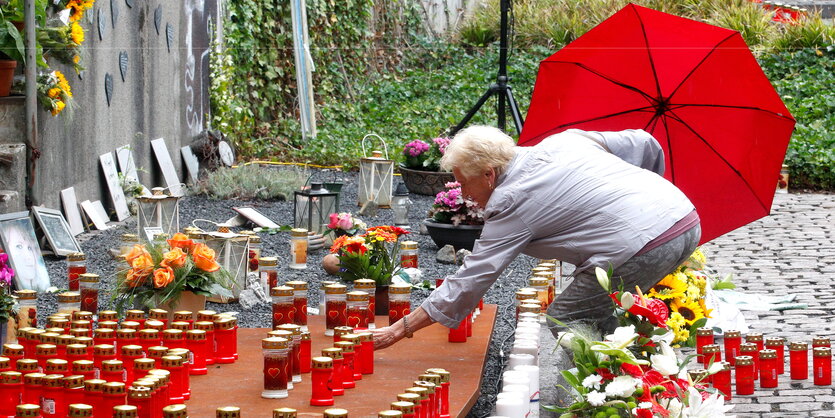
(384, 337)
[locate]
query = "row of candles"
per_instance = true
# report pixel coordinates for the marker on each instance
(520, 380)
(760, 359)
(138, 362)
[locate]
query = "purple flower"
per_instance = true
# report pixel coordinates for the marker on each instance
(442, 143)
(415, 148)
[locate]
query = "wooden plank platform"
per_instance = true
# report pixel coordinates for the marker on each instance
(395, 369)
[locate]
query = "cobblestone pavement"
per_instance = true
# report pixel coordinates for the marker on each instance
(792, 251)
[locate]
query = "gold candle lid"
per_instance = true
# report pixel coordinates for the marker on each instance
(69, 297)
(284, 413)
(400, 289)
(76, 257)
(798, 346)
(112, 366)
(420, 391)
(389, 414)
(125, 411)
(409, 245)
(88, 277)
(335, 289)
(175, 411)
(228, 412)
(52, 380)
(710, 348)
(172, 361)
(342, 330)
(322, 362)
(365, 284)
(55, 365)
(27, 410)
(80, 410)
(33, 334)
(268, 261)
(104, 350)
(107, 316)
(205, 315)
(424, 384)
(82, 366)
(64, 340)
(275, 343)
(5, 363)
(305, 335)
(365, 336)
(144, 363)
(410, 397)
(139, 392)
(157, 351)
(775, 341)
(357, 296)
(744, 361)
(297, 285)
(281, 333)
(768, 354)
(132, 350)
(172, 334)
(822, 352)
(431, 377)
(546, 275)
(134, 325)
(160, 372)
(253, 239)
(134, 315)
(180, 325)
(13, 349)
(336, 413)
(352, 338)
(49, 338)
(281, 291)
(27, 365)
(183, 316)
(732, 333)
(225, 323)
(204, 325)
(747, 347)
(196, 335)
(84, 340)
(108, 324)
(76, 349)
(113, 388)
(403, 406)
(73, 381)
(346, 346)
(26, 294)
(726, 367)
(104, 333)
(94, 385)
(704, 331)
(125, 333)
(754, 337)
(57, 322)
(148, 334)
(538, 282)
(530, 307)
(525, 293)
(158, 314)
(82, 323)
(295, 329)
(11, 377)
(299, 232)
(46, 350)
(542, 269)
(820, 340)
(332, 352)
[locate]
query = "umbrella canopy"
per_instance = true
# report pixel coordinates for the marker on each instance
(695, 87)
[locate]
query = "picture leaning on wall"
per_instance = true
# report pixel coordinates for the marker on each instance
(17, 237)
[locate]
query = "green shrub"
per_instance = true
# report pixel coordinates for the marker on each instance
(252, 182)
(812, 32)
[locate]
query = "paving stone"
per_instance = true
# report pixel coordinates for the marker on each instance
(801, 406)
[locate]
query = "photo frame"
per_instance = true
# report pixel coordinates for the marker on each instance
(56, 230)
(17, 237)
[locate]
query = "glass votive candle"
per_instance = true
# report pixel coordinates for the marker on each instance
(298, 249)
(409, 254)
(357, 309)
(69, 302)
(299, 302)
(282, 305)
(744, 375)
(768, 368)
(400, 304)
(336, 309)
(276, 373)
(268, 273)
(540, 284)
(799, 360)
(76, 265)
(368, 286)
(822, 366)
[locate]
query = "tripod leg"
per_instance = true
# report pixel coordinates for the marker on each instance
(514, 110)
(500, 112)
(472, 112)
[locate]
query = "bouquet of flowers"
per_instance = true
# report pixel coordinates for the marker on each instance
(419, 155)
(451, 207)
(372, 255)
(158, 274)
(54, 92)
(344, 223)
(7, 301)
(634, 371)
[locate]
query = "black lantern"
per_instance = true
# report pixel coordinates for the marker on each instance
(312, 208)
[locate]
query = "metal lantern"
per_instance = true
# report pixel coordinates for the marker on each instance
(158, 214)
(232, 253)
(376, 175)
(400, 206)
(312, 207)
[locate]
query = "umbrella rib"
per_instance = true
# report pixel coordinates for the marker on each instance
(640, 109)
(696, 67)
(686, 125)
(649, 55)
(609, 79)
(670, 148)
(780, 115)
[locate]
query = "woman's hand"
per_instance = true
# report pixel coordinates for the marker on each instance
(385, 337)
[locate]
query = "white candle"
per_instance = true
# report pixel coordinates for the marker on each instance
(526, 347)
(512, 407)
(533, 379)
(520, 359)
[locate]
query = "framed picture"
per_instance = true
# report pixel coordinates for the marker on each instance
(56, 230)
(17, 236)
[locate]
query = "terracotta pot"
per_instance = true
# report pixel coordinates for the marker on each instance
(7, 68)
(381, 300)
(427, 183)
(189, 301)
(461, 236)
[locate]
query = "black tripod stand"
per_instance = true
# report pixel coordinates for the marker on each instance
(501, 89)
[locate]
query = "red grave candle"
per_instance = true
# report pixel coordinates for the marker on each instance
(93, 395)
(176, 368)
(778, 344)
(750, 350)
(76, 265)
(355, 340)
(73, 389)
(370, 287)
(299, 302)
(113, 371)
(197, 345)
(84, 368)
(127, 336)
(174, 338)
(755, 338)
(399, 302)
(305, 352)
(407, 409)
(276, 367)
(347, 348)
(336, 382)
(768, 368)
(744, 375)
(335, 308)
(425, 408)
(53, 404)
(130, 353)
(704, 336)
(140, 397)
(57, 366)
(5, 364)
(44, 352)
(13, 352)
(211, 345)
(722, 380)
(822, 366)
(711, 353)
(414, 400)
(113, 394)
(282, 305)
(459, 334)
(11, 386)
(338, 332)
(432, 404)
(357, 310)
(799, 360)
(160, 315)
(820, 342)
(89, 288)
(322, 372)
(141, 367)
(367, 342)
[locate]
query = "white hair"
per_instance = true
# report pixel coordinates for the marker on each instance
(477, 149)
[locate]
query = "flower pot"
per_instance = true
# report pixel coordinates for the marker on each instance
(381, 300)
(427, 183)
(461, 236)
(189, 301)
(7, 68)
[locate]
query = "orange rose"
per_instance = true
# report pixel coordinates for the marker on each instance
(175, 258)
(204, 258)
(135, 278)
(180, 240)
(135, 252)
(143, 265)
(163, 277)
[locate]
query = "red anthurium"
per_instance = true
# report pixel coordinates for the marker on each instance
(632, 370)
(605, 373)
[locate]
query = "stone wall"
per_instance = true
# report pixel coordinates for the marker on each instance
(164, 94)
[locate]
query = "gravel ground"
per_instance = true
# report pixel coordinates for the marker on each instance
(96, 246)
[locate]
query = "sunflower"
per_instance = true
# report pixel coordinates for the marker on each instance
(77, 33)
(670, 287)
(690, 310)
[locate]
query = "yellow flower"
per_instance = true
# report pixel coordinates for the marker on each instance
(690, 310)
(675, 320)
(63, 84)
(670, 287)
(76, 59)
(54, 93)
(58, 107)
(77, 33)
(681, 335)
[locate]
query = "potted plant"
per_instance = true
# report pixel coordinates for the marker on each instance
(420, 169)
(11, 49)
(372, 255)
(171, 276)
(7, 301)
(453, 219)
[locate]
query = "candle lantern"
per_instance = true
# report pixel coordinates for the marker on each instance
(376, 176)
(312, 208)
(232, 253)
(400, 206)
(158, 213)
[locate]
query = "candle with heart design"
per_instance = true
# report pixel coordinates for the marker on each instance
(88, 284)
(399, 301)
(76, 265)
(357, 309)
(276, 367)
(267, 273)
(295, 350)
(335, 308)
(299, 302)
(287, 335)
(282, 305)
(368, 286)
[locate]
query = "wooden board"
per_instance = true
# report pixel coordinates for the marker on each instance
(192, 164)
(395, 368)
(96, 214)
(166, 165)
(256, 217)
(70, 204)
(114, 186)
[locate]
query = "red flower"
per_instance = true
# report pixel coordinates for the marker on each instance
(660, 312)
(632, 370)
(356, 248)
(605, 373)
(651, 309)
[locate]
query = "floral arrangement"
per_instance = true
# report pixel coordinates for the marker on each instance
(451, 207)
(54, 92)
(344, 223)
(7, 301)
(634, 371)
(158, 274)
(420, 155)
(372, 255)
(683, 292)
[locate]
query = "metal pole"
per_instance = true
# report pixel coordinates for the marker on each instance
(33, 153)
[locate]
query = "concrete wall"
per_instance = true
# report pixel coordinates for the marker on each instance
(165, 94)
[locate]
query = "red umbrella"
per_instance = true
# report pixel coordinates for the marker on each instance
(695, 87)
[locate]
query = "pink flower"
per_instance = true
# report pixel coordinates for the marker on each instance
(341, 221)
(415, 148)
(442, 143)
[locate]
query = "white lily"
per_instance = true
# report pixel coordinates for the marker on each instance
(603, 279)
(712, 407)
(665, 361)
(622, 386)
(715, 368)
(622, 337)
